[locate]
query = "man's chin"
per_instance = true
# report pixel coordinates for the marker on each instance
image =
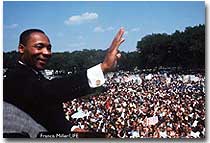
(40, 67)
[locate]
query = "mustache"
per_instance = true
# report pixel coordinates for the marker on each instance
(43, 58)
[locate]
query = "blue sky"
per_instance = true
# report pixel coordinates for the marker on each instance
(74, 25)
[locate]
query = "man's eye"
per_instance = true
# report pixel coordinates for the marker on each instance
(49, 47)
(39, 46)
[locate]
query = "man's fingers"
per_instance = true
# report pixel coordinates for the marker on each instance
(122, 40)
(117, 40)
(122, 31)
(120, 34)
(113, 53)
(118, 44)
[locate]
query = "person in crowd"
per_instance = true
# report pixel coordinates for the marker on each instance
(123, 109)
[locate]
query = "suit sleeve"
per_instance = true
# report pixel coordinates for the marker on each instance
(76, 85)
(67, 88)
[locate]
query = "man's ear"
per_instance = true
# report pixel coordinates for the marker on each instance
(21, 48)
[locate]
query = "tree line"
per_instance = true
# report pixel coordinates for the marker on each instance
(181, 50)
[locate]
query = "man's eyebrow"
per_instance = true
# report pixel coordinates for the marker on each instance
(43, 44)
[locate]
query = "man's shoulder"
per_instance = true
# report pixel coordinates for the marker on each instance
(18, 72)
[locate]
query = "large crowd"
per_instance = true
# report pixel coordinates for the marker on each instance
(137, 105)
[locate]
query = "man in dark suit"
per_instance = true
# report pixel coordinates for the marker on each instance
(27, 89)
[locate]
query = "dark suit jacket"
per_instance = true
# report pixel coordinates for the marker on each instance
(41, 98)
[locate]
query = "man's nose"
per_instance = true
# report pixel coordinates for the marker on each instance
(46, 51)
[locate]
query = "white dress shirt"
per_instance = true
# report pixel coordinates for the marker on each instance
(95, 76)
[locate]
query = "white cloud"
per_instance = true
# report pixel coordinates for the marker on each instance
(11, 26)
(110, 28)
(101, 29)
(78, 19)
(98, 29)
(135, 29)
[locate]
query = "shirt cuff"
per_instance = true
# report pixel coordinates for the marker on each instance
(95, 76)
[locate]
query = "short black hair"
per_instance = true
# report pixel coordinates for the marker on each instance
(25, 35)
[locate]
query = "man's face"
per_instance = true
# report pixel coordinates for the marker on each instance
(37, 51)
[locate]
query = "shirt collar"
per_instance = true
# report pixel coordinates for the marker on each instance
(20, 62)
